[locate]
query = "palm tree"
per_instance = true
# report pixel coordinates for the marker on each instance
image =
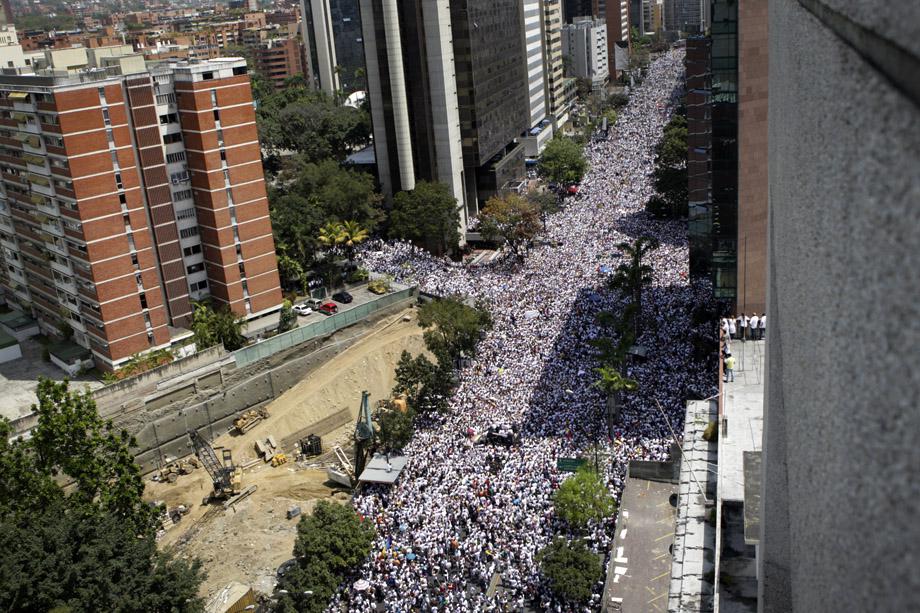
(330, 235)
(352, 234)
(614, 384)
(631, 276)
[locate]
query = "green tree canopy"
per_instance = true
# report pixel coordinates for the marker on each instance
(428, 216)
(331, 543)
(90, 547)
(571, 569)
(563, 161)
(451, 327)
(311, 123)
(221, 326)
(583, 498)
(288, 318)
(634, 274)
(512, 218)
(611, 381)
(396, 428)
(670, 175)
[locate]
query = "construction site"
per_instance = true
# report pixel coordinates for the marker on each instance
(235, 501)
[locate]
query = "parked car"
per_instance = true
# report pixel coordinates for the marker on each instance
(302, 309)
(328, 308)
(313, 303)
(343, 297)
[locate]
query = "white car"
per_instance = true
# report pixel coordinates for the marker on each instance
(302, 310)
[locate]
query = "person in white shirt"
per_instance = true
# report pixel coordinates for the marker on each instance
(742, 325)
(755, 321)
(762, 327)
(732, 331)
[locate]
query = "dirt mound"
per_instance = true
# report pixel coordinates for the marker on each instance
(249, 542)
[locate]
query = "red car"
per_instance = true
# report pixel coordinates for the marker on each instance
(328, 308)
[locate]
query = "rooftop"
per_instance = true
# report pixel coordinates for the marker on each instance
(742, 418)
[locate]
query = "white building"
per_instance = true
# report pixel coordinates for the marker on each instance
(584, 45)
(535, 51)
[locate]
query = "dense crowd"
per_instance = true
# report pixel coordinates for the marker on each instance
(461, 513)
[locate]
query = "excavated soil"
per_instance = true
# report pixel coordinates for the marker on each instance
(248, 542)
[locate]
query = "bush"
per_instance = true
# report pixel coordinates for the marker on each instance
(711, 433)
(571, 569)
(359, 275)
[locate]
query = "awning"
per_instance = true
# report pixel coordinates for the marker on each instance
(40, 180)
(34, 159)
(21, 117)
(19, 96)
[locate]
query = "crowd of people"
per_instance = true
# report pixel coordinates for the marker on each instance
(464, 517)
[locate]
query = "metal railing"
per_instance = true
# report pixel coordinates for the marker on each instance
(328, 325)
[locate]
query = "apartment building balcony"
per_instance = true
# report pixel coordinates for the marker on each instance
(40, 271)
(62, 267)
(74, 234)
(67, 193)
(46, 106)
(58, 249)
(7, 244)
(87, 292)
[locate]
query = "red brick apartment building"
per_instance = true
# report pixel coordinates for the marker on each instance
(124, 197)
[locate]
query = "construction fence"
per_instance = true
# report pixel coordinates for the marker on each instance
(322, 327)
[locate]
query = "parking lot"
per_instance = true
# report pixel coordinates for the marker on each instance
(360, 294)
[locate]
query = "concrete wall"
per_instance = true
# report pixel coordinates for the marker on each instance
(133, 389)
(840, 503)
(7, 354)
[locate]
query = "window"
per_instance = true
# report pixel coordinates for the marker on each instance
(238, 70)
(213, 97)
(175, 137)
(178, 156)
(53, 141)
(168, 118)
(109, 135)
(189, 232)
(197, 287)
(102, 95)
(185, 194)
(134, 260)
(207, 76)
(118, 182)
(179, 177)
(166, 98)
(189, 251)
(114, 159)
(122, 198)
(143, 298)
(223, 155)
(185, 214)
(216, 115)
(194, 268)
(105, 117)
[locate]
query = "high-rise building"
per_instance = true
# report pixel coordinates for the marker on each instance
(687, 16)
(129, 192)
(333, 44)
(556, 82)
(584, 43)
(840, 450)
(278, 59)
(541, 128)
(615, 14)
(447, 85)
(578, 8)
(713, 166)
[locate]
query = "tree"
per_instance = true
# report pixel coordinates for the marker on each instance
(90, 547)
(331, 543)
(288, 318)
(330, 235)
(352, 235)
(290, 270)
(563, 161)
(412, 376)
(670, 175)
(452, 328)
(512, 218)
(311, 123)
(583, 498)
(428, 216)
(571, 569)
(396, 428)
(221, 326)
(633, 274)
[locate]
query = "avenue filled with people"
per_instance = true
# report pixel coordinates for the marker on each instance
(462, 527)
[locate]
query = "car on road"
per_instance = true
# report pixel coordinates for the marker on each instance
(328, 308)
(302, 309)
(343, 297)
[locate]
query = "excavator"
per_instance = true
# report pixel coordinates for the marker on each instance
(226, 477)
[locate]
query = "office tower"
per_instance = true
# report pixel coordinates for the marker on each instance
(334, 50)
(840, 451)
(129, 192)
(6, 13)
(447, 85)
(577, 8)
(560, 96)
(541, 129)
(584, 43)
(685, 15)
(615, 14)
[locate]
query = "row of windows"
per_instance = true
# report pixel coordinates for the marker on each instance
(178, 156)
(185, 213)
